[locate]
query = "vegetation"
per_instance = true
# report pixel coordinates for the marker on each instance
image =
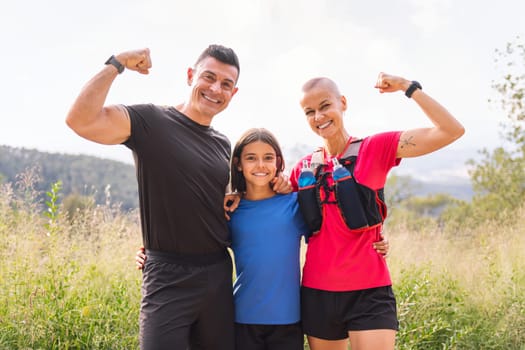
(67, 283)
(460, 290)
(70, 282)
(81, 176)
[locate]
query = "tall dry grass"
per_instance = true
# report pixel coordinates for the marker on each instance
(70, 283)
(460, 290)
(67, 283)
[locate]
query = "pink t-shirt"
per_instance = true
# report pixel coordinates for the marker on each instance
(340, 260)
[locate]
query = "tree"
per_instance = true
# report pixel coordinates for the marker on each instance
(498, 179)
(512, 90)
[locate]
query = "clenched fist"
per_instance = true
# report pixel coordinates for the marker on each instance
(137, 60)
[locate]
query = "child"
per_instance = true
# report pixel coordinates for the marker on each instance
(266, 231)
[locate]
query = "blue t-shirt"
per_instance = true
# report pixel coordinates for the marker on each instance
(266, 236)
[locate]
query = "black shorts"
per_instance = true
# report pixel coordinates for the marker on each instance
(269, 337)
(187, 303)
(331, 315)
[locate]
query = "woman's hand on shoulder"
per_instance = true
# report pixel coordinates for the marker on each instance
(281, 184)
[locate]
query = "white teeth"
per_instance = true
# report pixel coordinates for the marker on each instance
(260, 174)
(325, 125)
(210, 99)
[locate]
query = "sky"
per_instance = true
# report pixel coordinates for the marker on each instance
(50, 49)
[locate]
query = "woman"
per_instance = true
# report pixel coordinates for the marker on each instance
(346, 292)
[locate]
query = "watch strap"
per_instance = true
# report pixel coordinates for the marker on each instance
(413, 87)
(113, 61)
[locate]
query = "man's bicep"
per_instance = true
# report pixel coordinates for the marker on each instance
(112, 127)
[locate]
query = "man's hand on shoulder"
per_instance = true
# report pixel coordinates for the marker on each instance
(231, 202)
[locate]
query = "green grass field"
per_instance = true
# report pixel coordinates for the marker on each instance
(71, 283)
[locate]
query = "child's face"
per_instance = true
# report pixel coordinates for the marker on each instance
(258, 164)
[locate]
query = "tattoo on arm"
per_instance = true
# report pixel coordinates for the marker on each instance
(407, 142)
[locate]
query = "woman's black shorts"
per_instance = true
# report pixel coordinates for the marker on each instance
(331, 315)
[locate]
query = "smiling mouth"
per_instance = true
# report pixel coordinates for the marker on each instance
(325, 125)
(210, 99)
(260, 174)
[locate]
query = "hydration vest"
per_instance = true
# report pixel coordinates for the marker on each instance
(360, 207)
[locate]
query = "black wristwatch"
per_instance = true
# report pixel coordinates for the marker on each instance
(415, 85)
(120, 67)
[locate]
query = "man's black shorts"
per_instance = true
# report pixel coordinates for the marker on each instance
(187, 302)
(331, 315)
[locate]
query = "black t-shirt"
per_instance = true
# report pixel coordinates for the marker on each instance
(182, 173)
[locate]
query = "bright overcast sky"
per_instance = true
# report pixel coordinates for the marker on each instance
(51, 48)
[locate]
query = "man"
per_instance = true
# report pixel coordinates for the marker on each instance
(182, 172)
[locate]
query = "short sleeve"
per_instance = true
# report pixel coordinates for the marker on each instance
(377, 156)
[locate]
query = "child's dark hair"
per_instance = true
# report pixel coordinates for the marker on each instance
(222, 54)
(238, 182)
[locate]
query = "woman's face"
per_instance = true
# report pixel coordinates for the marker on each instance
(324, 111)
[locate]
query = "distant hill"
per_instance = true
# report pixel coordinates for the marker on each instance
(85, 175)
(88, 175)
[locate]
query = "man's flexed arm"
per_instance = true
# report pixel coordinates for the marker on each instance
(88, 116)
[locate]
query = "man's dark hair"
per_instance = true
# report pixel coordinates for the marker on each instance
(220, 53)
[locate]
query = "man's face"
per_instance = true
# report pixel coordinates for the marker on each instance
(212, 86)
